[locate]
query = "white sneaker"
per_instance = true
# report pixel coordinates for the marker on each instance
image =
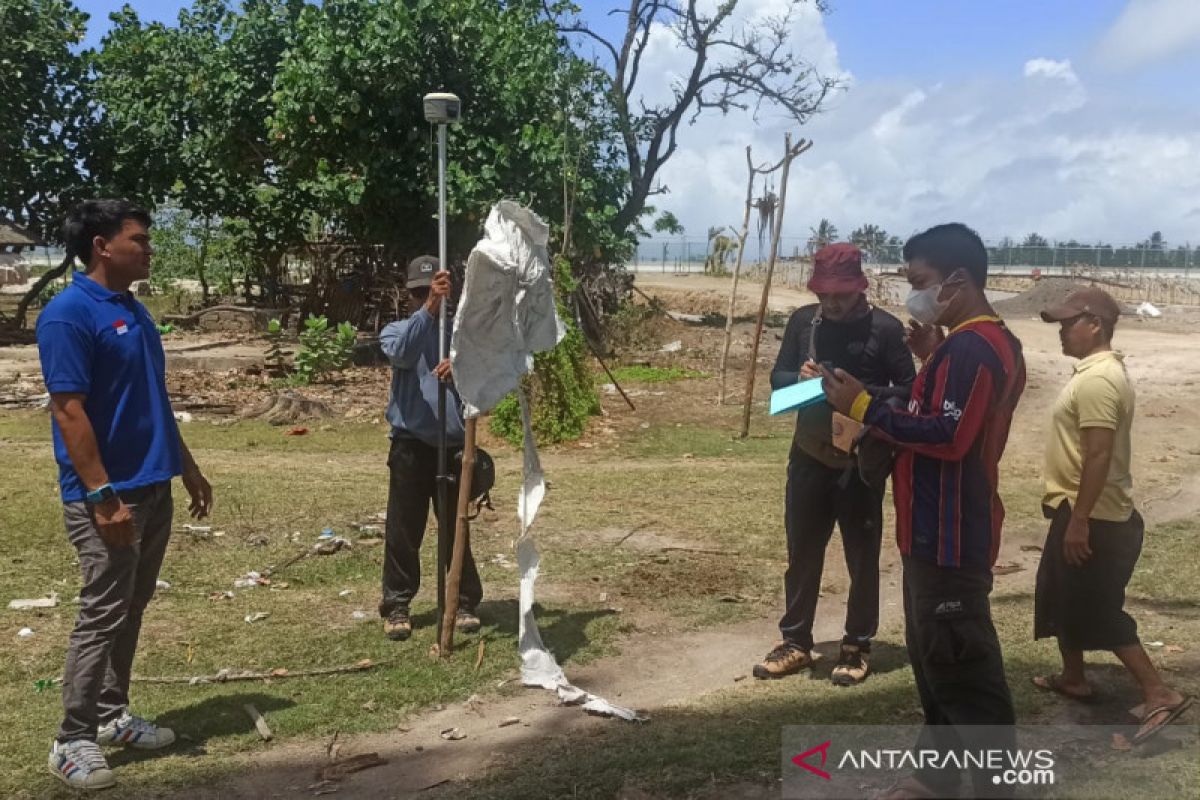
(135, 732)
(81, 765)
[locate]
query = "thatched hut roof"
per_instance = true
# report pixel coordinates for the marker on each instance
(13, 236)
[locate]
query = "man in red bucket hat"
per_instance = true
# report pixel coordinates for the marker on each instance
(823, 485)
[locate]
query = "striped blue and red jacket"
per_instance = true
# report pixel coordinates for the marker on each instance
(950, 440)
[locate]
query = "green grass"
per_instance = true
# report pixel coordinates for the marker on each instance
(267, 486)
(714, 502)
(637, 373)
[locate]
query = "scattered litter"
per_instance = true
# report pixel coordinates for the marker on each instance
(345, 592)
(731, 598)
(644, 425)
(453, 735)
(340, 769)
(1149, 310)
(367, 530)
(250, 580)
(330, 546)
(199, 531)
(1154, 644)
(183, 416)
(1031, 548)
(604, 597)
(297, 431)
(738, 678)
(1119, 742)
(609, 388)
(672, 347)
(257, 615)
(1174, 648)
(1007, 569)
(259, 723)
(507, 721)
(275, 587)
(24, 633)
(324, 787)
(294, 537)
(258, 540)
(502, 561)
(50, 601)
(326, 534)
(221, 596)
(359, 615)
(162, 585)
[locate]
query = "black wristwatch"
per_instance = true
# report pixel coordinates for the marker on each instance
(103, 494)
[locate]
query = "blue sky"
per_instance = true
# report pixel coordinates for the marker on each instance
(1076, 118)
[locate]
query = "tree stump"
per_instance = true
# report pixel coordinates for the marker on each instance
(287, 408)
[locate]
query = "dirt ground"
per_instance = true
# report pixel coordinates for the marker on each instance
(660, 667)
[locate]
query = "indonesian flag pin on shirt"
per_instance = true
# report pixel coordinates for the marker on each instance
(121, 327)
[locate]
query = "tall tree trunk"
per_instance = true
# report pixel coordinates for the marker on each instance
(36, 289)
(737, 271)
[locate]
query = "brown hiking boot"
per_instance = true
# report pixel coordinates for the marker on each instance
(398, 625)
(465, 621)
(787, 658)
(851, 668)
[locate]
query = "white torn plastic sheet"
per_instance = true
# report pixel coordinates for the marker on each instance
(1148, 309)
(507, 314)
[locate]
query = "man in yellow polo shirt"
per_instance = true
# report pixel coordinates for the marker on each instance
(1095, 535)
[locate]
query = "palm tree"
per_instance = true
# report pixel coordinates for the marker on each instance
(872, 240)
(825, 233)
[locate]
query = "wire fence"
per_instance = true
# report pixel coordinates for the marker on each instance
(1004, 257)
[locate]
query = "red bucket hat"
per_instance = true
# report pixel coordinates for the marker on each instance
(837, 268)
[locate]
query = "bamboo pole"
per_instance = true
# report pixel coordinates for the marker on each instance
(737, 271)
(462, 535)
(789, 153)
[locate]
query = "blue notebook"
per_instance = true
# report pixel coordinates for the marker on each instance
(796, 396)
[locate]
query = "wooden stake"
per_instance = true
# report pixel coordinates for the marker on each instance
(737, 271)
(264, 730)
(462, 534)
(789, 153)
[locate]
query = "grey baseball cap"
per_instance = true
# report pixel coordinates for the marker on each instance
(421, 271)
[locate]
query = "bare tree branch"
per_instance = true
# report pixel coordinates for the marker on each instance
(748, 66)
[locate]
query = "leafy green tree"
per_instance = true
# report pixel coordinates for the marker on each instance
(669, 224)
(45, 116)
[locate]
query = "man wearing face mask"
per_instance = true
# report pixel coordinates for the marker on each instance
(823, 487)
(945, 482)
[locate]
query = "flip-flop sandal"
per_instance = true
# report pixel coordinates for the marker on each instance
(1050, 683)
(1173, 713)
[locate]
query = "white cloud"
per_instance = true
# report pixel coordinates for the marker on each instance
(1149, 31)
(1034, 151)
(1054, 70)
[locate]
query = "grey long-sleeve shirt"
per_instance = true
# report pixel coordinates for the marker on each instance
(411, 346)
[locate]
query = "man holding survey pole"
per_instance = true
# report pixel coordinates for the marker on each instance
(823, 485)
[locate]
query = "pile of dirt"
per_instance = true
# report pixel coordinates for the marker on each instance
(1045, 293)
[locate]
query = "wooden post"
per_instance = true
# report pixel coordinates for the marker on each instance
(737, 271)
(462, 534)
(789, 153)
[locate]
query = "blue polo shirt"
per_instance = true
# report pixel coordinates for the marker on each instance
(105, 345)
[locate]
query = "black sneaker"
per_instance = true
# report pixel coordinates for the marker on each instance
(398, 625)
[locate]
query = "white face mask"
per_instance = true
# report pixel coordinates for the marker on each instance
(924, 306)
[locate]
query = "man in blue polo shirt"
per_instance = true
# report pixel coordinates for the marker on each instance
(117, 447)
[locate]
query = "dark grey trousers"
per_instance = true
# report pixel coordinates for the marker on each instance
(118, 582)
